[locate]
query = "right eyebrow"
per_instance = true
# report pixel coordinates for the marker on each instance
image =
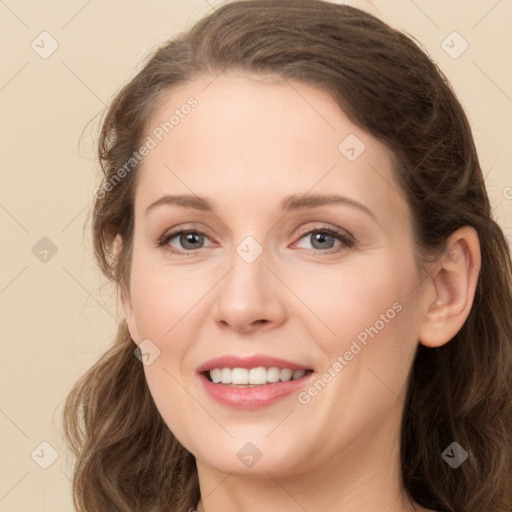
(184, 201)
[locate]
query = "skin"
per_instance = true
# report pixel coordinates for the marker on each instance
(250, 142)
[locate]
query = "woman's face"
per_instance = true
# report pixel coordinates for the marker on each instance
(303, 260)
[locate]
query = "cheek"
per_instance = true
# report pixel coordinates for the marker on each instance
(162, 298)
(366, 315)
(348, 300)
(164, 304)
(367, 337)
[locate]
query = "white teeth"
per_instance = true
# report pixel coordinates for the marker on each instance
(297, 374)
(273, 374)
(225, 376)
(239, 376)
(286, 374)
(255, 376)
(216, 375)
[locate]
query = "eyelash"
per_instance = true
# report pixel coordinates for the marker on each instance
(346, 241)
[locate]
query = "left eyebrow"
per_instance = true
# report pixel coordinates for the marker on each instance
(313, 201)
(288, 204)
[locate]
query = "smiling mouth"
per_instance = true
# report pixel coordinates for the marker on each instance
(252, 377)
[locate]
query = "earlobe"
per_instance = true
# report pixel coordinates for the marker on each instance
(454, 281)
(117, 246)
(129, 316)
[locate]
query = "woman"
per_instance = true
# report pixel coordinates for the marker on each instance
(256, 369)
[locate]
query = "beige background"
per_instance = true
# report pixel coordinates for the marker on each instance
(57, 316)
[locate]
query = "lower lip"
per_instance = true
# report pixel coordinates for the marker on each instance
(252, 397)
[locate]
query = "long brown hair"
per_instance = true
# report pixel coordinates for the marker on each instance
(126, 457)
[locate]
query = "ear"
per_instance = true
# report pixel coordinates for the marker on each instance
(117, 245)
(454, 281)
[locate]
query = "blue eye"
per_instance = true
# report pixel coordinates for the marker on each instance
(191, 240)
(325, 238)
(188, 238)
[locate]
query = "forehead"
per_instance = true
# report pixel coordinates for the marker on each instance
(249, 136)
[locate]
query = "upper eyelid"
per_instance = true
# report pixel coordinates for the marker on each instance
(177, 230)
(303, 231)
(327, 227)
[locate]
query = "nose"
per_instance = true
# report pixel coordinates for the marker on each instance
(250, 296)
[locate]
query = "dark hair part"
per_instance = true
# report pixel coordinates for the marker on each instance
(127, 459)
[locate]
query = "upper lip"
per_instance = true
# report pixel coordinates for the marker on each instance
(231, 361)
